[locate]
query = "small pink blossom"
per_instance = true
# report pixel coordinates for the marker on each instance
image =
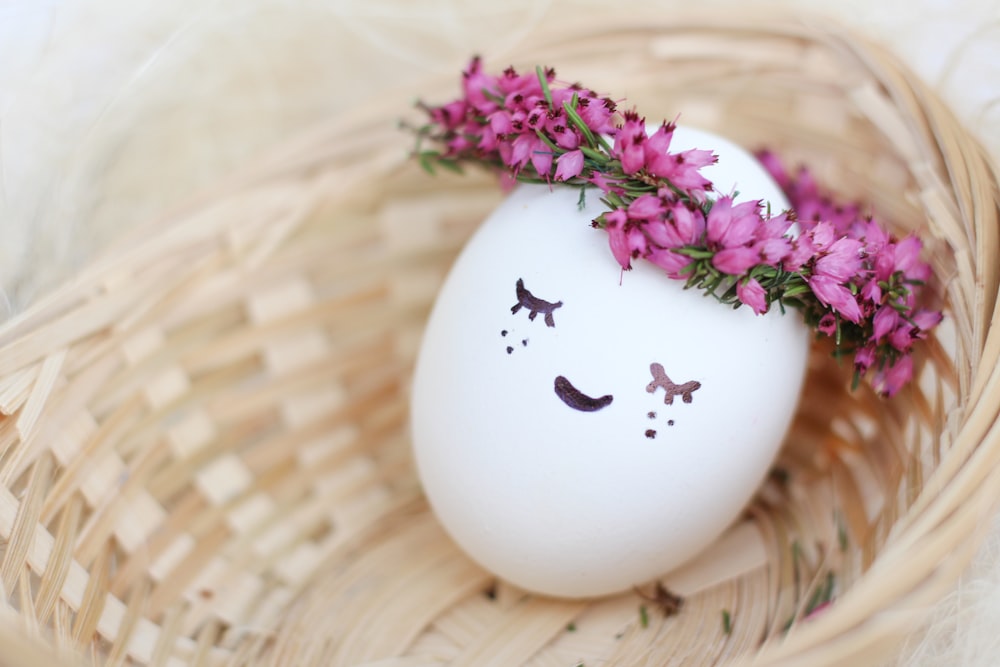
(872, 291)
(569, 165)
(597, 114)
(907, 254)
(671, 262)
(842, 261)
(500, 122)
(822, 235)
(522, 150)
(629, 143)
(731, 226)
(684, 169)
(802, 251)
(902, 337)
(752, 294)
(689, 222)
(645, 207)
(615, 226)
(926, 320)
(827, 324)
(885, 320)
(773, 251)
(600, 180)
(735, 261)
(889, 381)
(836, 296)
(864, 358)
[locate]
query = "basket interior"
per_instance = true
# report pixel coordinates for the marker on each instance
(205, 457)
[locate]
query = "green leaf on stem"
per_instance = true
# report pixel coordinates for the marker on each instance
(544, 81)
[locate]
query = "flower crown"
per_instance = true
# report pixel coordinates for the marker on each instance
(853, 281)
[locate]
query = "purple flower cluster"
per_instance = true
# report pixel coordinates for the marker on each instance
(877, 287)
(850, 278)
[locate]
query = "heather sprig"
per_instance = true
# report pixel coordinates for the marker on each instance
(853, 281)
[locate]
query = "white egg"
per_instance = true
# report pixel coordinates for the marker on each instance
(579, 430)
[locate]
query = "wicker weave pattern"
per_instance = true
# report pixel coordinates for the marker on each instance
(203, 449)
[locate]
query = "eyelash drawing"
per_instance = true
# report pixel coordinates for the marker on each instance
(661, 379)
(526, 299)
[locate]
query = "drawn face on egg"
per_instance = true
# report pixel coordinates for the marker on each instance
(575, 398)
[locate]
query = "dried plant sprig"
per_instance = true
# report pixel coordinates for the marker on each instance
(853, 281)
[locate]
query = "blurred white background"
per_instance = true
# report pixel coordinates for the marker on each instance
(111, 111)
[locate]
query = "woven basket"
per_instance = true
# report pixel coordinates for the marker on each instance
(205, 457)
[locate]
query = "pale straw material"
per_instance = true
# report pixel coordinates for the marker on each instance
(205, 457)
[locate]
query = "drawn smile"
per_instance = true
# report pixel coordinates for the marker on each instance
(578, 400)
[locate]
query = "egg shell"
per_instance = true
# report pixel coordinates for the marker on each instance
(574, 503)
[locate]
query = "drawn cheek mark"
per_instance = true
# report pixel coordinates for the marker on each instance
(577, 400)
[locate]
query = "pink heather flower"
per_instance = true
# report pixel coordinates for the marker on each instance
(669, 261)
(836, 296)
(689, 222)
(874, 235)
(735, 261)
(926, 320)
(637, 245)
(871, 291)
(802, 251)
(597, 114)
(772, 251)
(508, 181)
(599, 179)
(569, 165)
(775, 227)
(864, 358)
(772, 163)
(511, 82)
(752, 294)
(822, 235)
(450, 116)
(907, 254)
(646, 207)
(842, 261)
(827, 324)
(562, 133)
(488, 142)
(617, 239)
(885, 262)
(541, 159)
(475, 82)
(629, 143)
(683, 169)
(658, 144)
(521, 150)
(500, 122)
(663, 234)
(902, 337)
(885, 320)
(730, 226)
(889, 381)
(537, 116)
